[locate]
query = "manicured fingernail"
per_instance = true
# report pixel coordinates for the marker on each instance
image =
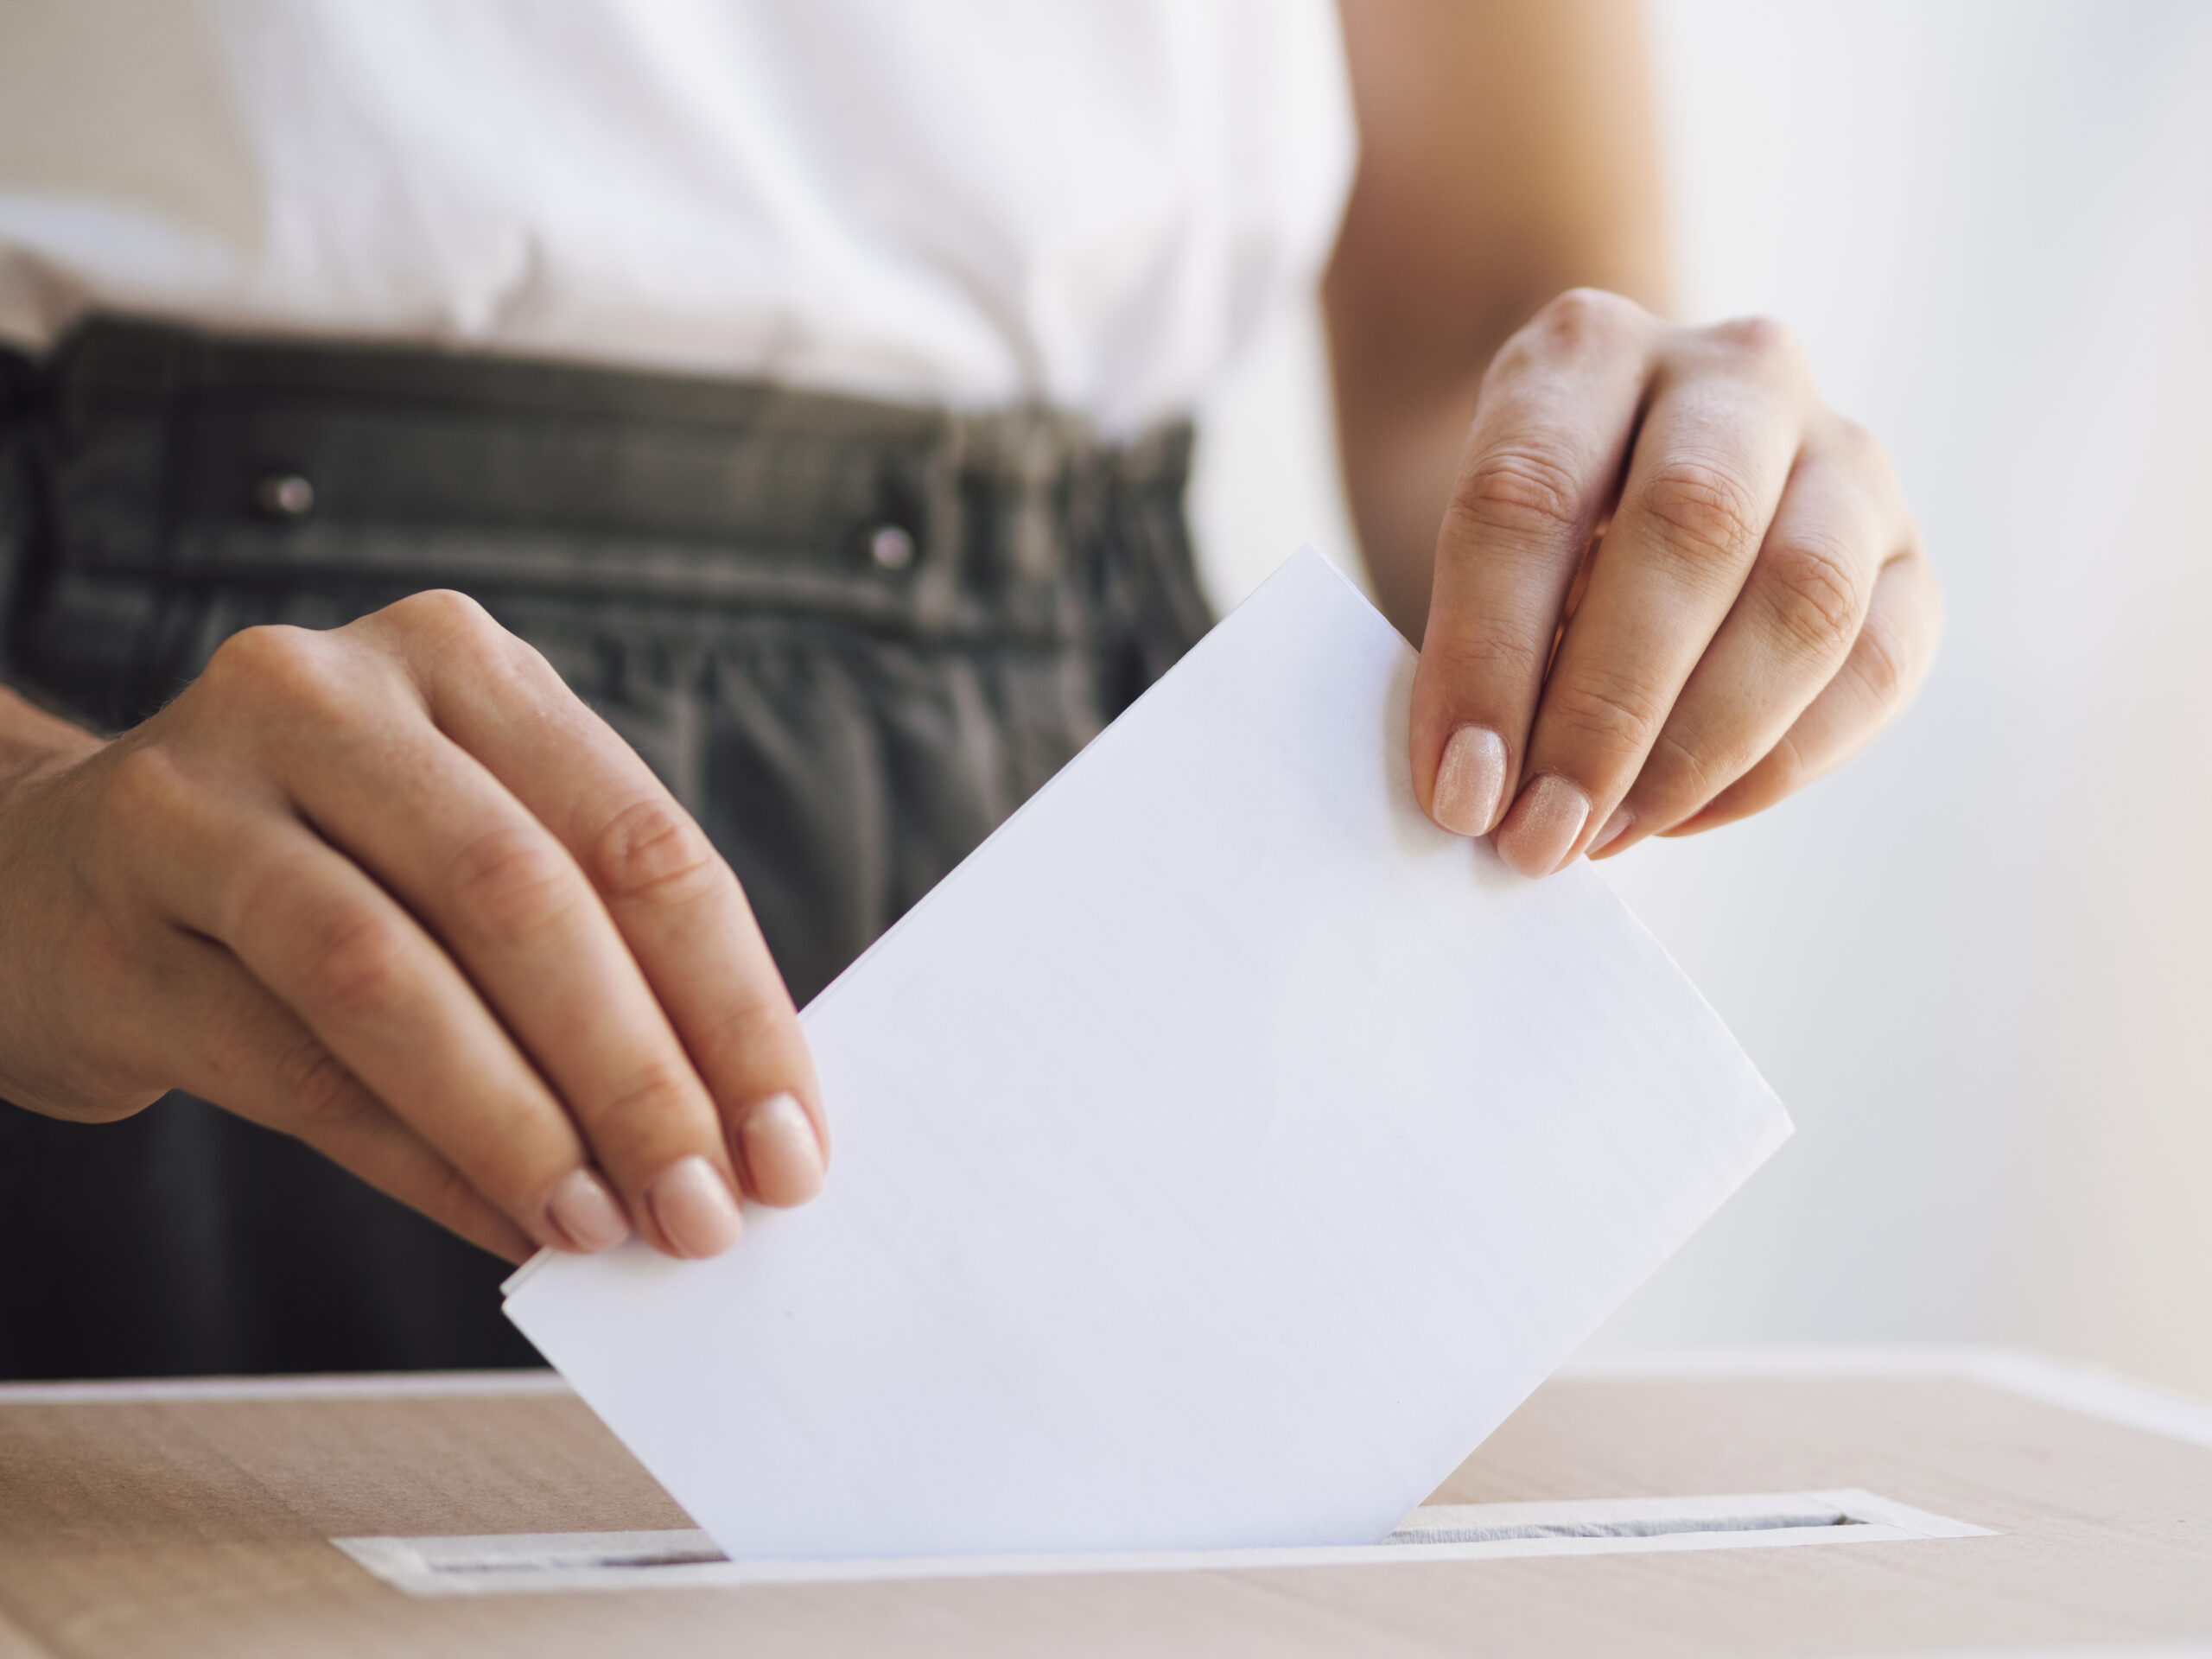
(1614, 828)
(694, 1207)
(585, 1212)
(781, 1151)
(1542, 825)
(1469, 780)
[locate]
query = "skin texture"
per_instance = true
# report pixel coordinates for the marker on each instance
(1657, 585)
(394, 890)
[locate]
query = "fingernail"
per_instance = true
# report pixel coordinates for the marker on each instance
(781, 1151)
(1542, 825)
(1469, 780)
(1615, 827)
(586, 1213)
(693, 1208)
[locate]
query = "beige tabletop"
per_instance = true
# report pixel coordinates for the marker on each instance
(196, 1518)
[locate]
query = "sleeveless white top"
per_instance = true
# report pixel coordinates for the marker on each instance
(1092, 203)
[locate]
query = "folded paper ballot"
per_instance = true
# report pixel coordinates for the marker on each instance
(1223, 1151)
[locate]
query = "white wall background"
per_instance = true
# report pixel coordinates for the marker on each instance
(1977, 964)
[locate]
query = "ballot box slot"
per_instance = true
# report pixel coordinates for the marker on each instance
(537, 1563)
(1473, 1524)
(664, 1549)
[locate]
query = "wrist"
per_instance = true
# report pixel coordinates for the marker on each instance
(39, 932)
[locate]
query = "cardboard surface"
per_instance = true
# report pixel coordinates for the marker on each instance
(529, 1563)
(1223, 1151)
(136, 1524)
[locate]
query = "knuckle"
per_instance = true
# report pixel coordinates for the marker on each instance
(1479, 653)
(457, 632)
(756, 1025)
(524, 667)
(1705, 513)
(1857, 444)
(356, 965)
(1690, 777)
(445, 613)
(1583, 317)
(146, 785)
(1865, 459)
(324, 1094)
(1523, 490)
(1881, 664)
(652, 849)
(1931, 608)
(514, 882)
(1617, 716)
(1816, 601)
(1784, 770)
(1679, 776)
(1761, 340)
(288, 665)
(1574, 327)
(451, 1199)
(639, 1113)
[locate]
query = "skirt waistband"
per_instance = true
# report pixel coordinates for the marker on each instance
(160, 454)
(850, 637)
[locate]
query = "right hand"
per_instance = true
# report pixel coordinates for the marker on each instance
(394, 890)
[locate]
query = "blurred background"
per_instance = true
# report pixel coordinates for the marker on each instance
(1977, 963)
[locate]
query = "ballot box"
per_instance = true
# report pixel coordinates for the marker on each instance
(1861, 1503)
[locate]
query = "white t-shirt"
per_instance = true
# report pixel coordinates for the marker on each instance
(1089, 202)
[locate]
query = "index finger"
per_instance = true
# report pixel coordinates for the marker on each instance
(1543, 463)
(672, 897)
(1712, 455)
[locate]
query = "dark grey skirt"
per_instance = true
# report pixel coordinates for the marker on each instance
(852, 637)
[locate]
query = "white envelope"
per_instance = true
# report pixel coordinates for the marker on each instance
(1223, 1151)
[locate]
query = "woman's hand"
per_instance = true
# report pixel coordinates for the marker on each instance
(394, 890)
(1671, 588)
(1758, 604)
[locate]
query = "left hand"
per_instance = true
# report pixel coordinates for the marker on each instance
(1671, 588)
